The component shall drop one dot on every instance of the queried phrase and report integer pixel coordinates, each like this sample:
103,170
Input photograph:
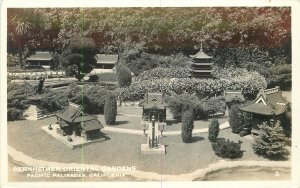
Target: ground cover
122,149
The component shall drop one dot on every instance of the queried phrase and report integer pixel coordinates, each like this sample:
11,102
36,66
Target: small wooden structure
40,59
105,63
74,121
268,105
233,97
154,105
201,66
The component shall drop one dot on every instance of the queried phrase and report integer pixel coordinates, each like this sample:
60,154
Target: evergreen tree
110,109
271,141
235,120
124,76
213,131
187,126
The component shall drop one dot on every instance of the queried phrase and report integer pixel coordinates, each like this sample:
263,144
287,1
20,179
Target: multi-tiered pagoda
201,66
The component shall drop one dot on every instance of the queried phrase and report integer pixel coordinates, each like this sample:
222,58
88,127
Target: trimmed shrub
213,130
14,114
227,149
187,126
124,76
235,120
110,109
271,142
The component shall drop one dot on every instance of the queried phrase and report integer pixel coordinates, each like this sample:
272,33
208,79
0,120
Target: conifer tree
235,120
213,131
110,109
271,141
187,126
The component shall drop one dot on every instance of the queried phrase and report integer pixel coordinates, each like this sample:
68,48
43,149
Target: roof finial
201,47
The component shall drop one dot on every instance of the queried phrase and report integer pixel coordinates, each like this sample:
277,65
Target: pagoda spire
201,49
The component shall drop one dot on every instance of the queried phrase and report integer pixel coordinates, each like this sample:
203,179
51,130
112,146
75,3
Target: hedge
250,84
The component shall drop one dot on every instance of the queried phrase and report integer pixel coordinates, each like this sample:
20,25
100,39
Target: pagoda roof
198,70
153,101
106,59
91,125
268,102
40,56
233,95
200,55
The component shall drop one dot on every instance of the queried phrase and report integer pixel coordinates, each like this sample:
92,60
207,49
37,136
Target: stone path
140,132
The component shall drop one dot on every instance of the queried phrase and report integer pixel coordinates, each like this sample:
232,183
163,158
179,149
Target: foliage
235,119
110,109
79,57
247,124
107,77
158,73
92,99
140,62
227,149
124,76
213,130
16,99
211,106
281,76
271,141
249,82
187,126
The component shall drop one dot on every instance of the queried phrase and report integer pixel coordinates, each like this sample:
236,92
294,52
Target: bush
235,120
14,114
16,99
178,104
187,126
107,77
271,142
249,83
213,130
161,72
110,109
124,76
227,149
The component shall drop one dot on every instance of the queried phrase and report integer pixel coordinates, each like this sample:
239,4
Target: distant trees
110,109
124,76
271,141
187,126
79,58
235,119
213,130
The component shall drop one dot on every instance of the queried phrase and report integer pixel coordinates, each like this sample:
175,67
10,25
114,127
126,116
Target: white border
156,3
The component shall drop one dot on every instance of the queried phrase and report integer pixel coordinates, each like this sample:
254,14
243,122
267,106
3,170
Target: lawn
122,149
129,117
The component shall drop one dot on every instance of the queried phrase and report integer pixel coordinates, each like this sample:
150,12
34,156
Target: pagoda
201,67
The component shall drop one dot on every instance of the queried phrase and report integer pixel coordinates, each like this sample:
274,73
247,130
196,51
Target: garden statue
50,127
40,85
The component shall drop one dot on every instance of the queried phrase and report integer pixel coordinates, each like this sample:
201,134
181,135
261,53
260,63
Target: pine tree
110,109
187,126
271,141
235,120
213,131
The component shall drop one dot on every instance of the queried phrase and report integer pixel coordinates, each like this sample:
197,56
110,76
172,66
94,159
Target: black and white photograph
149,94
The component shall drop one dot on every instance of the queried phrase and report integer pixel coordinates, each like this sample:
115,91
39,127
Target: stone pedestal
35,113
160,150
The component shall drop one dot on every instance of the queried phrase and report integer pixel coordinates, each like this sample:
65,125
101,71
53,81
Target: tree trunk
20,58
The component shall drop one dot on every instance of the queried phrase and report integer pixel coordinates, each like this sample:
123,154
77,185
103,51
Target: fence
34,75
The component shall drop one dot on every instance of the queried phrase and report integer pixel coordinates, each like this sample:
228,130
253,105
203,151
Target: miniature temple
268,105
233,97
105,63
74,121
40,59
201,66
154,117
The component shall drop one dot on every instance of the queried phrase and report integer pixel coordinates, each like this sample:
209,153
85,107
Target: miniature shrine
154,117
233,97
74,121
269,105
40,59
201,66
